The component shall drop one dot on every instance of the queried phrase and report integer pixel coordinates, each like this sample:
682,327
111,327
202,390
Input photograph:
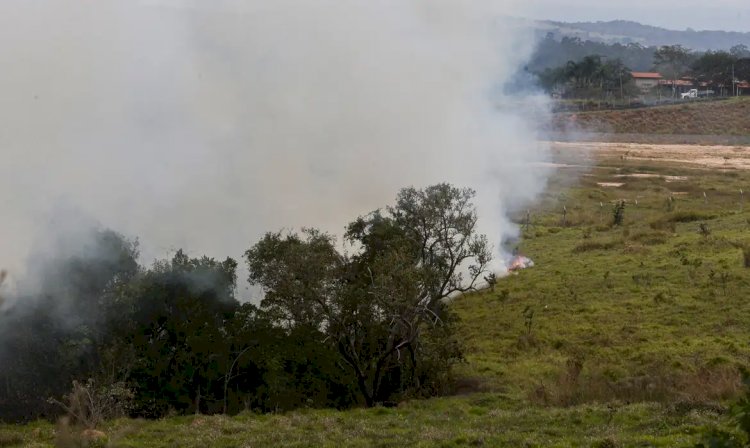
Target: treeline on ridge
576,69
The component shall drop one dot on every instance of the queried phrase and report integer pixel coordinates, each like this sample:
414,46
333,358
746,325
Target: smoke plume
202,124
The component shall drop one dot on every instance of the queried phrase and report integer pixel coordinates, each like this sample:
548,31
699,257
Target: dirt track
726,157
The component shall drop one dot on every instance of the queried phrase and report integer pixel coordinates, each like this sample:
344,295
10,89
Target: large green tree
721,69
715,68
589,77
672,61
173,340
381,307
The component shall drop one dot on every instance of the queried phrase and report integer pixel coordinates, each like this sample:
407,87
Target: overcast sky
728,15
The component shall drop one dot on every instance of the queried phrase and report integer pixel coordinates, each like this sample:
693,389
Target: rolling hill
625,32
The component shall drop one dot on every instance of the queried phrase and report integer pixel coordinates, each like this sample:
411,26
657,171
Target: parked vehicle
692,93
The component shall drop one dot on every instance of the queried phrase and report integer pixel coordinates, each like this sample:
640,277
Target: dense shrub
689,216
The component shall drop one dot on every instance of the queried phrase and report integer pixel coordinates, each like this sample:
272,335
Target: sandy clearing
709,156
654,176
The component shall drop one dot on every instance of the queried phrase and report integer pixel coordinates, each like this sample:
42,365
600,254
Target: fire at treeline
335,328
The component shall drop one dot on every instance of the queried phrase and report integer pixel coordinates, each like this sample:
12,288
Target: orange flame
520,262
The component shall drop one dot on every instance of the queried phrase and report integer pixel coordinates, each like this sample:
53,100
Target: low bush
668,222
88,405
618,213
689,216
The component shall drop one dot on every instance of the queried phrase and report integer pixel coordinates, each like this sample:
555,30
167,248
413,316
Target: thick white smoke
204,124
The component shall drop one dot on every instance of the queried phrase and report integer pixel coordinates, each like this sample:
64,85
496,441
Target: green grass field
475,420
637,335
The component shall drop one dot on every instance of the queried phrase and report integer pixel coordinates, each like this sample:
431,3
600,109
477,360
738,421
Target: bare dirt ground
709,156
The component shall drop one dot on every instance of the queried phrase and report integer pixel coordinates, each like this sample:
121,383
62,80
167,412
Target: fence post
742,199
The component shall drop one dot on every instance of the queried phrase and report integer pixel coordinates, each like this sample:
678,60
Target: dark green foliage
593,70
551,53
588,77
672,61
333,330
689,216
528,319
160,332
491,280
669,221
718,69
175,337
62,333
381,308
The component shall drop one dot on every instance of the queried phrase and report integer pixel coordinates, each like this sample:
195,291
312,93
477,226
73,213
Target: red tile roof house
646,81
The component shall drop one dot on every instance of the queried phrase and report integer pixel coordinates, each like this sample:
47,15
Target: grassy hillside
727,118
637,334
650,310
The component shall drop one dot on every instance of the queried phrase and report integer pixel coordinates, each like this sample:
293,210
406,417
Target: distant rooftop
647,75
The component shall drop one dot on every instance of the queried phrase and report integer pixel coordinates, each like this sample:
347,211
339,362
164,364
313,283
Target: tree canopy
337,328
378,305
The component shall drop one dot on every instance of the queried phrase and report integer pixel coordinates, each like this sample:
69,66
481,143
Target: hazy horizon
721,15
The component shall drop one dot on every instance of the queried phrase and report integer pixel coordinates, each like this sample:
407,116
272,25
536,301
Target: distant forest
572,68
552,53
